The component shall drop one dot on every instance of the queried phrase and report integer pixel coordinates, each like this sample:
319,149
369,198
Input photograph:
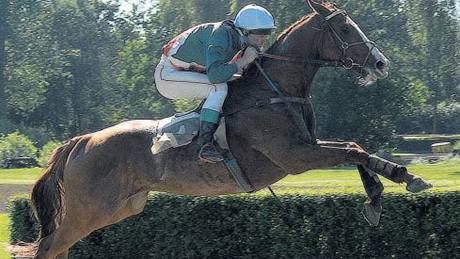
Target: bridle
342,45
348,62
344,61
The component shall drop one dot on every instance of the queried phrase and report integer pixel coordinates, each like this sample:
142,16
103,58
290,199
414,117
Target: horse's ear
318,8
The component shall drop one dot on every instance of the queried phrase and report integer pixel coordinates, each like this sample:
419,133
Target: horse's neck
293,77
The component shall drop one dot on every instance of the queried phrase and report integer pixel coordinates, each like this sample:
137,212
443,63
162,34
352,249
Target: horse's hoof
372,214
418,185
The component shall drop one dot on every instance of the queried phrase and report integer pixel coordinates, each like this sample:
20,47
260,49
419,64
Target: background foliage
69,67
46,152
16,145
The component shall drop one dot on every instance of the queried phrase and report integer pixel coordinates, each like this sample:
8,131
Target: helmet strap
244,43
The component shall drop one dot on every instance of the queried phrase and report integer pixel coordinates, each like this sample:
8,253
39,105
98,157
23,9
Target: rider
198,62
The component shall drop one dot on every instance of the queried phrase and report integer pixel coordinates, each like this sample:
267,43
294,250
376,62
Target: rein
345,62
323,63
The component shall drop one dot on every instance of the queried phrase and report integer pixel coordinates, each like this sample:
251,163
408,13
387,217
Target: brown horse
101,178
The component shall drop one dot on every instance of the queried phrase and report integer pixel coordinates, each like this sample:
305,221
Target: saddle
180,130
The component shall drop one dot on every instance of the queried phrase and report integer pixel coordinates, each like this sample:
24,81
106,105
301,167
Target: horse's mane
251,72
292,26
304,19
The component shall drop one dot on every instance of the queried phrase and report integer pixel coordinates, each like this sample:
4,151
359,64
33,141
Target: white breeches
176,84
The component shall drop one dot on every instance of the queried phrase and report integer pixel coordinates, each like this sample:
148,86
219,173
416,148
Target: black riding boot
208,152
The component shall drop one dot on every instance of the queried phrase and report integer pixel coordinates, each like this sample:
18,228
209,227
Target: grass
444,176
402,154
4,236
20,176
433,137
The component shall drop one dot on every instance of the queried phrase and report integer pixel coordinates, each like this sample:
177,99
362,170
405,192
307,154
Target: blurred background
70,67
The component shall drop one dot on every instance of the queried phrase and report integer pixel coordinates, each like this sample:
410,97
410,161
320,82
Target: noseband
342,45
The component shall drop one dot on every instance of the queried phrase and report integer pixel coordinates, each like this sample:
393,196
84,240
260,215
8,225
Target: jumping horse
101,178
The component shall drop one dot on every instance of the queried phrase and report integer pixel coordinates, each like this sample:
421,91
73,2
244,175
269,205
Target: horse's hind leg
75,226
63,255
131,206
58,242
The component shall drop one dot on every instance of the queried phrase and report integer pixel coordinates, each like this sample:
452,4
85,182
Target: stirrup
209,154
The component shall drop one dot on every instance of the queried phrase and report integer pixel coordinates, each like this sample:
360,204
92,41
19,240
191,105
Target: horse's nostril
380,65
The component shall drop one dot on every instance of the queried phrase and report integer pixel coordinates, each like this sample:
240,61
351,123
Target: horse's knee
358,155
133,205
355,145
44,246
63,255
137,203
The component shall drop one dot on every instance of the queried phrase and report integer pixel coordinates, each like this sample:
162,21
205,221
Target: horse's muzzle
381,68
380,64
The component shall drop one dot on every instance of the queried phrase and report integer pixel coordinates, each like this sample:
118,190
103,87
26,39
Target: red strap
168,46
236,57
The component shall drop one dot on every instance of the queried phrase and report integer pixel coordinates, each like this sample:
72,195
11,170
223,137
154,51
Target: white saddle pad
179,130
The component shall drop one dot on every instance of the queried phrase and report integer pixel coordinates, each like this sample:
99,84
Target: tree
4,30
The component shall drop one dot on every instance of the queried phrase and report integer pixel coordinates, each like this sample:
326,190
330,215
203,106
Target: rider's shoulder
225,27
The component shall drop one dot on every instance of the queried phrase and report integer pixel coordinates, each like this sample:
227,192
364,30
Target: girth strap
297,118
269,101
289,99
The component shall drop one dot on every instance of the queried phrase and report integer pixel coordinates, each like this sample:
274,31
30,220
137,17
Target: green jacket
212,45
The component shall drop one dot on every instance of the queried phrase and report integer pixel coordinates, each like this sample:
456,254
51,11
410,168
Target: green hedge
422,226
24,227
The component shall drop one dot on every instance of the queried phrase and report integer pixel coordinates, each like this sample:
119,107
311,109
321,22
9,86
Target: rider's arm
220,47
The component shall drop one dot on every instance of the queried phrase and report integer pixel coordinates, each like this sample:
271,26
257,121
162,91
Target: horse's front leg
297,158
342,144
387,169
300,158
372,209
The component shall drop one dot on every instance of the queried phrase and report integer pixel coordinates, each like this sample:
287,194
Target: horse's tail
47,194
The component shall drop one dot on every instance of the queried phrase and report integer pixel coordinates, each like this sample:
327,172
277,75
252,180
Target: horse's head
343,40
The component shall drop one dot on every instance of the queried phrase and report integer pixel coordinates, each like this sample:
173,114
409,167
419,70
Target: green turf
444,176
4,236
402,154
432,137
20,176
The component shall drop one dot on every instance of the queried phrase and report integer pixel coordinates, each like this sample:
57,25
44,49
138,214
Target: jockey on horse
198,63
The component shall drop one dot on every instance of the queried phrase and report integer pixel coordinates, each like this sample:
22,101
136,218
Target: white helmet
253,17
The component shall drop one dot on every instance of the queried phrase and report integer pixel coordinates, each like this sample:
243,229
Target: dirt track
8,190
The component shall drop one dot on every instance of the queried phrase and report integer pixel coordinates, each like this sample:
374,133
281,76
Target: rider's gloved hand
250,54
